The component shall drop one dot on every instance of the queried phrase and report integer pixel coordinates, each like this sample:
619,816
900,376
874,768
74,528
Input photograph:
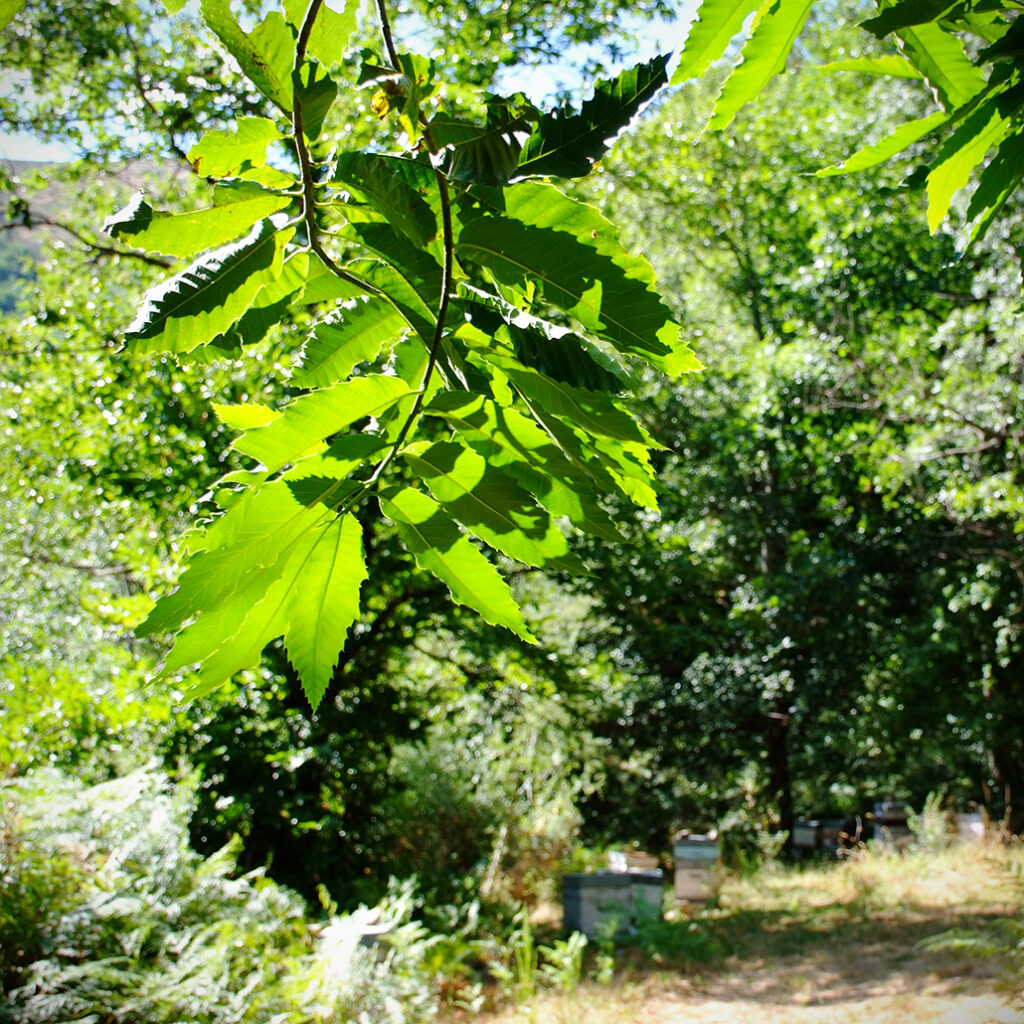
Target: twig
305,163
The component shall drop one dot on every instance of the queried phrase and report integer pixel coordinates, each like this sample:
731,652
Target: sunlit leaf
490,504
904,135
312,418
350,336
204,300
439,547
764,56
322,609
185,234
962,152
715,25
265,55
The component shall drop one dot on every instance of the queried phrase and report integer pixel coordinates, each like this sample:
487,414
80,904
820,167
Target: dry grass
826,944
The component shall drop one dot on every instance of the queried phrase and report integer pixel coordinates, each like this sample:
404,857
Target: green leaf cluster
968,54
469,332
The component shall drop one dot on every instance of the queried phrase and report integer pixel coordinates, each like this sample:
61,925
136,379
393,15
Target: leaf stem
385,31
447,275
305,163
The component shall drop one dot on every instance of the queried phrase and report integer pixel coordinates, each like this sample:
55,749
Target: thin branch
447,275
385,29
100,249
305,163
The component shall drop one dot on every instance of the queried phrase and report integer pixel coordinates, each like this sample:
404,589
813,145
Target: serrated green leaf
258,530
325,606
204,300
562,356
997,183
961,153
764,56
485,154
583,282
269,308
522,450
232,637
389,193
543,205
891,66
439,547
185,234
323,285
591,411
903,135
905,14
490,504
716,24
349,336
223,153
940,57
308,420
265,55
417,266
8,9
407,300
565,144
1009,44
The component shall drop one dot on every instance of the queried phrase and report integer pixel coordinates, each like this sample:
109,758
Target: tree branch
305,163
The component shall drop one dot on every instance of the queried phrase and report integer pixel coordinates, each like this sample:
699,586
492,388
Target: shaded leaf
389,193
583,282
565,144
521,449
907,13
269,308
491,505
317,93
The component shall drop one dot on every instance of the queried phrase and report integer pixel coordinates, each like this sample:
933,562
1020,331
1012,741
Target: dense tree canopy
391,351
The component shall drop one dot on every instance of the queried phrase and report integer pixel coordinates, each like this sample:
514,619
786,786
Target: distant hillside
50,198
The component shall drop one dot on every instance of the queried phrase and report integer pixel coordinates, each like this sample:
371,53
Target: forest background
824,611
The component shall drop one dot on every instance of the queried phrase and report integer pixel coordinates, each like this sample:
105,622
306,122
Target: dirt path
835,945
884,985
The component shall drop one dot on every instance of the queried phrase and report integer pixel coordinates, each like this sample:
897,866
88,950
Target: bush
107,914
125,922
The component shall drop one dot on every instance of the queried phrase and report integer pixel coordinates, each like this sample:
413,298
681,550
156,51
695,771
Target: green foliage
104,910
966,58
135,925
458,280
